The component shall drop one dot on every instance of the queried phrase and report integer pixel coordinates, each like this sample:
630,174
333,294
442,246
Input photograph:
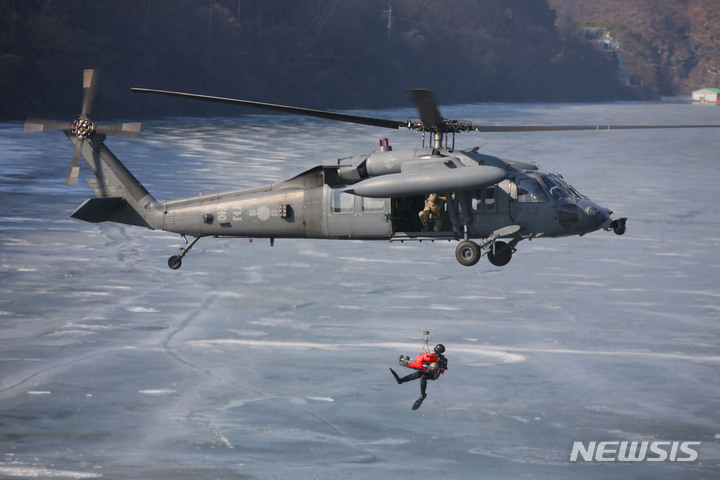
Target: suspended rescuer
427,366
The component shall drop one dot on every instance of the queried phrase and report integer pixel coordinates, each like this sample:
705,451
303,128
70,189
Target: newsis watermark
645,451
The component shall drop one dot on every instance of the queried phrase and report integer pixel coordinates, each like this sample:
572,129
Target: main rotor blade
90,84
342,117
425,102
560,128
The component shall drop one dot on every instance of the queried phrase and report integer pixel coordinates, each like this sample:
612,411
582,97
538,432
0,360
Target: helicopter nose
581,217
597,217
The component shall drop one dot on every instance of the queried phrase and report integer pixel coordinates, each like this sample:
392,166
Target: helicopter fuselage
511,200
316,204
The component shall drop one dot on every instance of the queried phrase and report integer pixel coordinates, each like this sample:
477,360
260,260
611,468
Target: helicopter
491,204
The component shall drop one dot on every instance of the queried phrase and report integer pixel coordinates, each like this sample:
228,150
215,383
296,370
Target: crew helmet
439,348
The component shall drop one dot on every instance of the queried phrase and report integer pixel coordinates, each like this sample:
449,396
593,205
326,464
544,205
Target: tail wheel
501,254
467,253
174,262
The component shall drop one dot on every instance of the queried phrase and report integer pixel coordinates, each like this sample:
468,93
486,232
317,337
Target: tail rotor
83,127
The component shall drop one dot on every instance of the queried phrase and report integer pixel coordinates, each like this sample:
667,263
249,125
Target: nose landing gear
618,226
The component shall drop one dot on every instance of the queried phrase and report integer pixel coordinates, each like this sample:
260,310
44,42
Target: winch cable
450,432
426,348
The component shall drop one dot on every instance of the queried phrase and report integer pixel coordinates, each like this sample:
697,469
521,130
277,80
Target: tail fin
120,197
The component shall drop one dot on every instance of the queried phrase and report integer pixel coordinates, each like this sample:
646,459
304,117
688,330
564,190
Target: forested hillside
673,45
316,53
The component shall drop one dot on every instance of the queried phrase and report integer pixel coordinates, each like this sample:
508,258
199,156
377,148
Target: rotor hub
82,127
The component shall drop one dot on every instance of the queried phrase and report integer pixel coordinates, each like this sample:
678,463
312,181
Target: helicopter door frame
492,211
405,216
404,213
512,199
532,205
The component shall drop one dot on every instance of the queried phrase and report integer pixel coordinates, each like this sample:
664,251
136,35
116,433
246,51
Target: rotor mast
438,140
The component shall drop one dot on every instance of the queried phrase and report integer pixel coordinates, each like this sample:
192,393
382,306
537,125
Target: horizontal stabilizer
115,209
96,210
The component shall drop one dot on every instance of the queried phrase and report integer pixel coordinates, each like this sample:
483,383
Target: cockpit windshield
559,188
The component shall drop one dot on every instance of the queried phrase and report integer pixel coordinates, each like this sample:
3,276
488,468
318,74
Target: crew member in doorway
433,214
428,366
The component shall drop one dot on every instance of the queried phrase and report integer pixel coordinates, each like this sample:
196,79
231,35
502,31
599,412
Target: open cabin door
405,214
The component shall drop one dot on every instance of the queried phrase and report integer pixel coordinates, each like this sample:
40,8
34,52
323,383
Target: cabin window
489,198
484,200
529,190
373,204
342,202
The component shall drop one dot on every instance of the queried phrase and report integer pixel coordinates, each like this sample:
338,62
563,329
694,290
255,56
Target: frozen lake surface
260,362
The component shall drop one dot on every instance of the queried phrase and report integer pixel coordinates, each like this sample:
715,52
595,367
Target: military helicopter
491,203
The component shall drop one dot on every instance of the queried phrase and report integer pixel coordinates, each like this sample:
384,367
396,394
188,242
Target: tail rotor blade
34,126
90,83
74,170
131,128
73,175
42,125
83,128
127,129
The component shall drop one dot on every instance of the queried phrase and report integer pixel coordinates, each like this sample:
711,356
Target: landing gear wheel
467,253
618,226
500,255
174,262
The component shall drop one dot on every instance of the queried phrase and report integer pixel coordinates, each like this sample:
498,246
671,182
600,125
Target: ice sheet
260,362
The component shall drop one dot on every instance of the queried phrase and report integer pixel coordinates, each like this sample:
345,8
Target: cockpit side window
529,190
571,189
559,188
555,187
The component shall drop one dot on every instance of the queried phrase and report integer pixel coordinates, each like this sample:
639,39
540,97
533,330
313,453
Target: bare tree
321,11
